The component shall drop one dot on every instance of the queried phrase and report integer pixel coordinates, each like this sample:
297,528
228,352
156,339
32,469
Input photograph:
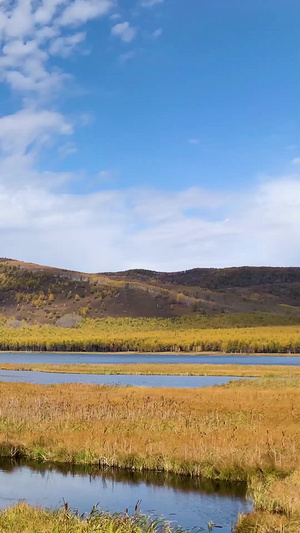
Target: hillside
41,294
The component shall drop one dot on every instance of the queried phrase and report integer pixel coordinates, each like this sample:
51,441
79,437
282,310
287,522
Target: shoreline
200,433
219,354
157,369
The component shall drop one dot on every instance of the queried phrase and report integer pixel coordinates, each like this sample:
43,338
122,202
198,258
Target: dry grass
221,432
157,369
245,430
277,505
266,522
23,518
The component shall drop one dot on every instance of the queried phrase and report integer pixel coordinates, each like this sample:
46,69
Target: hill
41,294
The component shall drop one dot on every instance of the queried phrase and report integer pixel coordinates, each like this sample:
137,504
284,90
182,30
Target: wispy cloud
194,141
150,3
67,149
123,30
20,131
115,16
127,56
106,176
64,46
157,33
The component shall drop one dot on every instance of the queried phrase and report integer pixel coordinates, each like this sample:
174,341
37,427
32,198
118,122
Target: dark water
104,358
184,501
48,378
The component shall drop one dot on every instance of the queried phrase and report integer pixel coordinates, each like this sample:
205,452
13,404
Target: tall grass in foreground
23,518
277,505
220,433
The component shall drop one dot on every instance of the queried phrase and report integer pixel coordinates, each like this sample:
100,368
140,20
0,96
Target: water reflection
186,501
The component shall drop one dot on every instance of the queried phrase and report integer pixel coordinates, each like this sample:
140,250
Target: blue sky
160,134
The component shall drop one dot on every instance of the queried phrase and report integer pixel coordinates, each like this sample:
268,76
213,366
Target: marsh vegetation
141,335
245,431
158,369
23,518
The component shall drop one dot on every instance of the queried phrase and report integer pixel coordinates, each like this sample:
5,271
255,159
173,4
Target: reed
277,505
23,518
227,432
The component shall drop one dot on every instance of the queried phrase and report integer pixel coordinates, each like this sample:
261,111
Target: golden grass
277,505
266,522
242,431
23,518
114,336
158,369
223,432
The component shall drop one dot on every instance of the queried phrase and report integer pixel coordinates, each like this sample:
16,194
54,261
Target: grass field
153,335
25,519
223,432
248,430
158,369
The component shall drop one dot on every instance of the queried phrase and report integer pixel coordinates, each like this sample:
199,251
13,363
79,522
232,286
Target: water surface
48,378
118,358
185,501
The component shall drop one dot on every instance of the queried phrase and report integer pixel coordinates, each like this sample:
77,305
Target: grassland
243,431
153,335
221,432
158,369
277,505
25,519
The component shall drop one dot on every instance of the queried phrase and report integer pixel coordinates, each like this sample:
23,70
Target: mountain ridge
43,294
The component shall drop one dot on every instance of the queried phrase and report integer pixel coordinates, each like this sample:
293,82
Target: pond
184,501
118,358
48,378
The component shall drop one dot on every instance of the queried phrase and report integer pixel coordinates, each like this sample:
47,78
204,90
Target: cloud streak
150,3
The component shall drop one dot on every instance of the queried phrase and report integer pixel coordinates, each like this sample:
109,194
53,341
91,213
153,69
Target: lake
48,378
184,501
118,358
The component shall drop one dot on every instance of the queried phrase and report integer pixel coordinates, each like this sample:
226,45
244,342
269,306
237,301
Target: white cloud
150,3
20,130
47,9
64,46
296,161
123,30
114,229
31,31
80,11
121,229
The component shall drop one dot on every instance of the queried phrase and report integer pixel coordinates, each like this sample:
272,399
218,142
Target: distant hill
42,294
216,278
